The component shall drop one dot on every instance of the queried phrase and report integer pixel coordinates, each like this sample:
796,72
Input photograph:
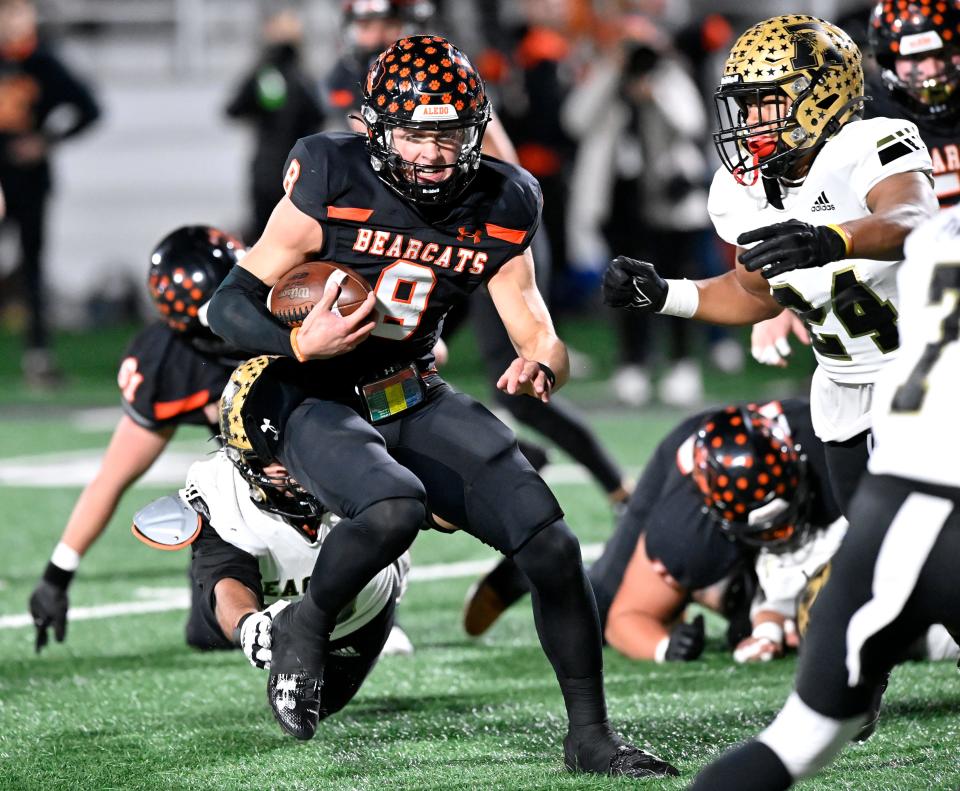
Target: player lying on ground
397,206
255,535
727,500
895,572
823,200
172,373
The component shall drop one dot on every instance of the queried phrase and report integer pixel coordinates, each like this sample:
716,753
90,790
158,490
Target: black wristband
834,243
548,372
56,576
239,626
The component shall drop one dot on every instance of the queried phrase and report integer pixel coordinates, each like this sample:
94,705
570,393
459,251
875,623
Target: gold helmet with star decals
233,432
254,407
811,590
789,84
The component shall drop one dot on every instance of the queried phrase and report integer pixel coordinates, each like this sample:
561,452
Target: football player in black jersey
172,373
559,421
707,502
917,47
414,209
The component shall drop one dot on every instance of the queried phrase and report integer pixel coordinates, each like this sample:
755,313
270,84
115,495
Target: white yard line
78,467
167,599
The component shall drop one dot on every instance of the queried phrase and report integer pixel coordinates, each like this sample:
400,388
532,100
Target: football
295,294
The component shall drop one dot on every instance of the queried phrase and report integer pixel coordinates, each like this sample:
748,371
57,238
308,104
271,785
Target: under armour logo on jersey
463,233
267,426
822,203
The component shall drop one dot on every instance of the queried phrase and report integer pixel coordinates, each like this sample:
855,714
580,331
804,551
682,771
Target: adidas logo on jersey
822,203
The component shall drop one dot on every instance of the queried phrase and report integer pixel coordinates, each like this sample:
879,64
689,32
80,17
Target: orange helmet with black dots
186,267
424,83
912,32
752,477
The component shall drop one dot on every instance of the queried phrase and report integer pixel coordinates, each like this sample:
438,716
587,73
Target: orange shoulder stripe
506,234
345,213
163,410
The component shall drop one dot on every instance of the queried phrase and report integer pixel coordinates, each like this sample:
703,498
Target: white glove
764,644
255,634
768,339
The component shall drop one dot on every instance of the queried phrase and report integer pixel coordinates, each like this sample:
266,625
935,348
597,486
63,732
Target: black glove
791,245
686,641
633,284
48,606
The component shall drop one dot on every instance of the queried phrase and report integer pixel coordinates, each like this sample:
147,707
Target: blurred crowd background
182,112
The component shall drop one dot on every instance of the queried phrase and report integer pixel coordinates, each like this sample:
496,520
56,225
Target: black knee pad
394,522
396,513
552,556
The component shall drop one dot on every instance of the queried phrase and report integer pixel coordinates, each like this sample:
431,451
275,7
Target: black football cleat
296,676
873,714
605,753
295,702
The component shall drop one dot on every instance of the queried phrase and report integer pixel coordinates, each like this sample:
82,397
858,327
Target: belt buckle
392,392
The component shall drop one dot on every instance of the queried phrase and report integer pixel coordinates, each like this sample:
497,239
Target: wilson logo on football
295,292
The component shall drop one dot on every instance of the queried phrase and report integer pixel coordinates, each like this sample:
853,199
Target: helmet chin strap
774,192
760,149
740,173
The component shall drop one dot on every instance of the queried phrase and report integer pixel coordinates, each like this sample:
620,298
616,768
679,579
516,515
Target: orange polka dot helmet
752,477
427,87
186,267
915,31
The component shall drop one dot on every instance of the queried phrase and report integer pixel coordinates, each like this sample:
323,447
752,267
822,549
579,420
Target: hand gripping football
295,294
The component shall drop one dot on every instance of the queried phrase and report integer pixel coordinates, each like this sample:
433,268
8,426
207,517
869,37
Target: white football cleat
398,644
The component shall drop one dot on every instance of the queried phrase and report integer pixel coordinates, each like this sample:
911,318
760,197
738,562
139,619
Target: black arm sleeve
213,559
238,314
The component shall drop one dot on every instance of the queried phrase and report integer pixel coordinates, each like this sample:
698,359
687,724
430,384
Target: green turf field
124,704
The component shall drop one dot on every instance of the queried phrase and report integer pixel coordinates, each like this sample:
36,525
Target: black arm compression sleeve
238,313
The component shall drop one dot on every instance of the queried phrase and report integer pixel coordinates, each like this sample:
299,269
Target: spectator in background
279,101
533,94
640,177
41,104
